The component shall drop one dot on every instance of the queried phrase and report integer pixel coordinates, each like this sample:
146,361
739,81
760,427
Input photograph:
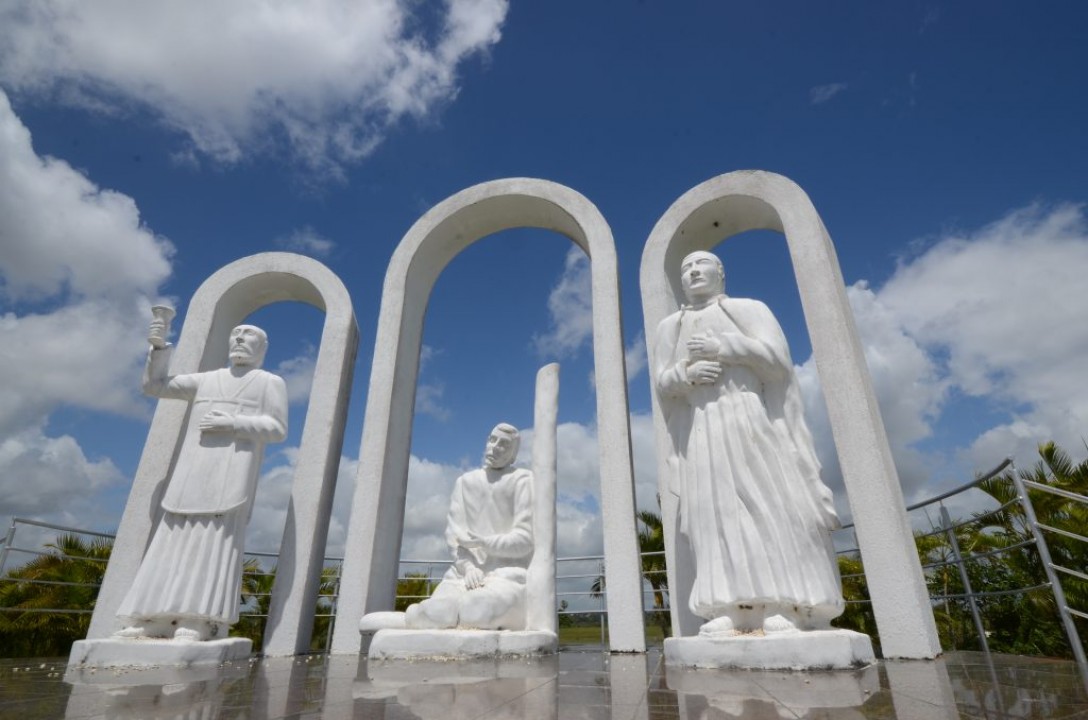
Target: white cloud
298,374
1002,304
429,394
78,273
634,356
307,241
908,388
85,272
329,76
822,93
42,475
273,497
62,235
992,315
570,307
429,401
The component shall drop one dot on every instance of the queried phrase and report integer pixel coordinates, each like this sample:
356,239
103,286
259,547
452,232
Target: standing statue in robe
188,584
752,505
490,533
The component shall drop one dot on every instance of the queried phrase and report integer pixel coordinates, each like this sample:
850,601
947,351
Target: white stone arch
219,304
745,200
368,582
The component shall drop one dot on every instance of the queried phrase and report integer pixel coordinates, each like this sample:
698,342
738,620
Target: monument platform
460,644
810,650
153,652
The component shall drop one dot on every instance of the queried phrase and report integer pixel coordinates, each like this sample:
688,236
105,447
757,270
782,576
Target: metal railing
580,580
1028,535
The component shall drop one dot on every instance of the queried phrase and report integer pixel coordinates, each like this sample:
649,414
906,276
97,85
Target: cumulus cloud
570,310
61,235
429,401
38,475
985,314
273,497
329,77
78,273
634,356
908,387
307,241
298,374
820,94
1000,304
429,393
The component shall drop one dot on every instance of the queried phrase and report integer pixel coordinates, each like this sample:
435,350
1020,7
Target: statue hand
156,333
705,347
474,577
704,372
471,540
216,421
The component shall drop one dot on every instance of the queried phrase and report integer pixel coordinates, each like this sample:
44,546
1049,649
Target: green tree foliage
1019,614
858,614
65,578
1030,624
413,588
257,599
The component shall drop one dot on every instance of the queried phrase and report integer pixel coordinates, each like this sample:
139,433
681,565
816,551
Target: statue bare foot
145,629
778,624
187,635
718,627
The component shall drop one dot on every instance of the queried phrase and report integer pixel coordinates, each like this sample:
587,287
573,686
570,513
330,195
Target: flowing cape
782,400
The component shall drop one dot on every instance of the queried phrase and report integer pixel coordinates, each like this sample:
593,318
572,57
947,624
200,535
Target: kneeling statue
490,533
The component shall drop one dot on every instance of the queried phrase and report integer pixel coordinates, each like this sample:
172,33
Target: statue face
701,276
247,345
501,449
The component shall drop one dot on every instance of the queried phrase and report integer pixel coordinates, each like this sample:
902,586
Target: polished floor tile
576,684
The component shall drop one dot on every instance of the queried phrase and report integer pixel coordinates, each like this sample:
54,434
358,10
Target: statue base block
459,644
140,652
810,650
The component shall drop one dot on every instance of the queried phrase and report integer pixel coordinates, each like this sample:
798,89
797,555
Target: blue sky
145,145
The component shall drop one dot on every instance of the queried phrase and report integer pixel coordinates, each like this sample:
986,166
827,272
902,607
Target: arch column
756,200
219,304
377,515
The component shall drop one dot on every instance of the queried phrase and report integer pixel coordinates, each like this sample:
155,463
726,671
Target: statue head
248,344
702,276
502,446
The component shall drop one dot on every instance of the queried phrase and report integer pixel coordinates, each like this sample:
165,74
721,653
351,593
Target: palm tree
1031,623
858,615
257,600
65,578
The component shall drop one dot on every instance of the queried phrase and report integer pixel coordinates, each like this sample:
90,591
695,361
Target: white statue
752,504
188,585
490,533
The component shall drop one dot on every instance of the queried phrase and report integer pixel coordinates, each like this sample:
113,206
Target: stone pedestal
118,653
811,650
459,644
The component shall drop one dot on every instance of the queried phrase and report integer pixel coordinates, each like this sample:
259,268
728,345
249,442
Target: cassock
752,504
193,566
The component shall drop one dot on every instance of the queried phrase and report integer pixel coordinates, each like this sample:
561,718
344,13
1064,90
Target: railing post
7,546
1052,577
946,521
